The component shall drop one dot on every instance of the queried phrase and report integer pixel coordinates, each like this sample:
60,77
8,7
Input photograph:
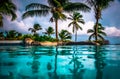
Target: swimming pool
60,62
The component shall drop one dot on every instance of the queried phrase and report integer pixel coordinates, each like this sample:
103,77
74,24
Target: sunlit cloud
112,31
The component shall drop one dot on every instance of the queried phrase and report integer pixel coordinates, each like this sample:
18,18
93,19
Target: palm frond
37,6
91,2
70,7
32,13
105,3
101,37
102,33
78,26
70,18
30,29
90,37
14,16
1,20
90,31
70,24
61,16
81,21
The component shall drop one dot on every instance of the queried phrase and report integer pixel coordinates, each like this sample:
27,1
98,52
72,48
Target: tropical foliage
98,6
64,35
35,28
49,31
76,18
7,7
56,8
1,35
100,33
11,35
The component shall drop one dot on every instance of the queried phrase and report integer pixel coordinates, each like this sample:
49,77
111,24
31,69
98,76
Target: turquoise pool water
61,62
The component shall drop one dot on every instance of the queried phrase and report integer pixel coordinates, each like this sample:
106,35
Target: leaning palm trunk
56,29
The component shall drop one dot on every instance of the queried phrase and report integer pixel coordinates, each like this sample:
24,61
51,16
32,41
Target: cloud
85,27
112,31
17,24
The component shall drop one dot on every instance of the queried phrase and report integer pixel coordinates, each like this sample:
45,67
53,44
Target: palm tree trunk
76,36
96,30
55,70
97,16
56,29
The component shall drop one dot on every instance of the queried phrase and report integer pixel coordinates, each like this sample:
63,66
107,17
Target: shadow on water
99,61
78,68
35,64
53,75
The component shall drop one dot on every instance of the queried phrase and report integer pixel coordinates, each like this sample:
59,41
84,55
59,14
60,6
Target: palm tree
64,34
98,6
100,33
1,35
35,28
11,34
76,19
7,7
19,35
56,8
49,31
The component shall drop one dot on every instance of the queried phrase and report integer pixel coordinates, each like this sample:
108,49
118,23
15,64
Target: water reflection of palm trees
78,68
100,61
54,74
35,64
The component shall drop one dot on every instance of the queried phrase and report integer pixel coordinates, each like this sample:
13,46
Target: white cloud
112,31
85,27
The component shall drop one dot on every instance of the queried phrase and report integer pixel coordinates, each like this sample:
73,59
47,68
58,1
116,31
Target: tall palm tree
56,8
7,7
49,31
76,19
100,33
35,28
98,7
64,34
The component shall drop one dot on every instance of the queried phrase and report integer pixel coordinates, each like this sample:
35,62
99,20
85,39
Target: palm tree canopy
37,27
99,5
76,18
102,4
56,7
7,7
1,34
49,31
11,34
64,34
100,34
32,30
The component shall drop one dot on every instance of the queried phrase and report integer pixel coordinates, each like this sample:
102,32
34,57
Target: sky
110,19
